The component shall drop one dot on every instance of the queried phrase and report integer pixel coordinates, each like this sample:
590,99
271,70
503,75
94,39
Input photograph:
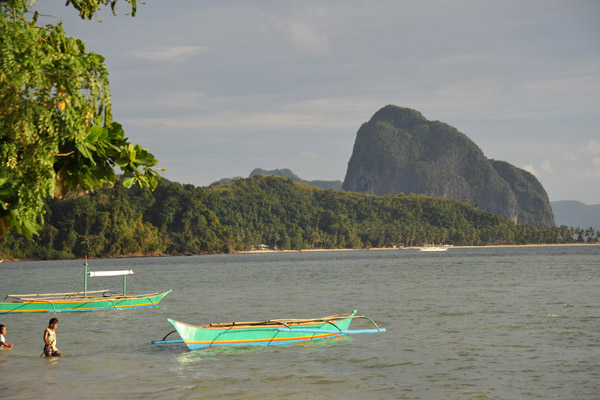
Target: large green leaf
56,125
128,181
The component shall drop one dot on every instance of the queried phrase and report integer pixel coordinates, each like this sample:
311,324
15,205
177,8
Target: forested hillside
283,214
287,173
263,210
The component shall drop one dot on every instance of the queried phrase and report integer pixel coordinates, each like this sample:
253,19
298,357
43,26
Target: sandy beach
267,251
271,251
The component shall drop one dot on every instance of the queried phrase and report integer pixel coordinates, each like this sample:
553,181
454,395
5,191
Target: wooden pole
85,272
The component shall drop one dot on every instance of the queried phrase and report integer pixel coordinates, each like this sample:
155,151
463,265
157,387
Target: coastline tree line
260,211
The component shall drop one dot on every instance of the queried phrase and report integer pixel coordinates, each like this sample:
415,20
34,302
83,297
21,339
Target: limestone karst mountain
400,151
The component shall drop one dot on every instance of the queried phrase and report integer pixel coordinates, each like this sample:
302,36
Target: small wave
454,314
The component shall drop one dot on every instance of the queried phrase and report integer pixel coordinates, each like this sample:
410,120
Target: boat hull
197,338
83,305
433,248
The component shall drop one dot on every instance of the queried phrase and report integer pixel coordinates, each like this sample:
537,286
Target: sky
215,89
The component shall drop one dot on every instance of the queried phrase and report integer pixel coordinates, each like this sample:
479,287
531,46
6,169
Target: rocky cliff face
399,151
534,205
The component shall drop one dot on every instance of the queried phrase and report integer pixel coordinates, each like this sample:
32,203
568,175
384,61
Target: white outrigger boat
94,300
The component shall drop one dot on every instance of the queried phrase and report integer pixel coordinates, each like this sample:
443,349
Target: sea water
483,323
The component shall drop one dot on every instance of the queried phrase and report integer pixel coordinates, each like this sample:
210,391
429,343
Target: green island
263,212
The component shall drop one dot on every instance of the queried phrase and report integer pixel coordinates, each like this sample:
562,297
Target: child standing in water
3,344
50,349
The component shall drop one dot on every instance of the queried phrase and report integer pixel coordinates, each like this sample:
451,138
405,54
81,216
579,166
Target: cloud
529,168
185,99
307,30
570,157
170,53
339,114
242,121
593,146
307,156
475,96
546,166
596,164
307,38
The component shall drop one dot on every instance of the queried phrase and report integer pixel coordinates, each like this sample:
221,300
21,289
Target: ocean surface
483,323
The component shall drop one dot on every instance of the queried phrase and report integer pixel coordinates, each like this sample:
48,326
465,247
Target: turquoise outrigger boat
95,300
265,333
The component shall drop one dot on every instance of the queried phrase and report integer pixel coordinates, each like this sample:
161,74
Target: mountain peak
400,151
287,173
399,116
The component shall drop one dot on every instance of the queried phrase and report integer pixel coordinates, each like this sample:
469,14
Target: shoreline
270,251
490,246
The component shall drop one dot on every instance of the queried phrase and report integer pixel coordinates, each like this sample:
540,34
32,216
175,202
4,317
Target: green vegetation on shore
262,210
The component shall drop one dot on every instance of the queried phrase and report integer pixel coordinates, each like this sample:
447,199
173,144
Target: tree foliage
263,210
100,223
56,129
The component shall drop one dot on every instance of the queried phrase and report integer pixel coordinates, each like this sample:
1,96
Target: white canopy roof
110,273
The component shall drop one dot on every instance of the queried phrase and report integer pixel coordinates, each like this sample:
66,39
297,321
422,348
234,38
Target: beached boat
265,333
95,300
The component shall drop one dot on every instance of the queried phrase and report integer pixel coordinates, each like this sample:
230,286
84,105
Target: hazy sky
216,89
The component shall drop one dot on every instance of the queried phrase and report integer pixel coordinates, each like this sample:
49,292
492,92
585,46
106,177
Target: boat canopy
92,274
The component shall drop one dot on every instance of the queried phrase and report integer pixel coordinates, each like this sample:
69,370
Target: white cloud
596,164
570,157
186,99
307,156
593,146
307,30
307,38
243,121
170,53
529,168
546,166
476,96
342,114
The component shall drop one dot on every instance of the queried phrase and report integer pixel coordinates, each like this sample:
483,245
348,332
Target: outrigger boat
265,333
94,300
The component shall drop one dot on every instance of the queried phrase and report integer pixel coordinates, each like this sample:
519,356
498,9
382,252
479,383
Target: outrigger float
94,300
265,333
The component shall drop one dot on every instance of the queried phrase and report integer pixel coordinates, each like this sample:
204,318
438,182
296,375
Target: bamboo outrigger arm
52,296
